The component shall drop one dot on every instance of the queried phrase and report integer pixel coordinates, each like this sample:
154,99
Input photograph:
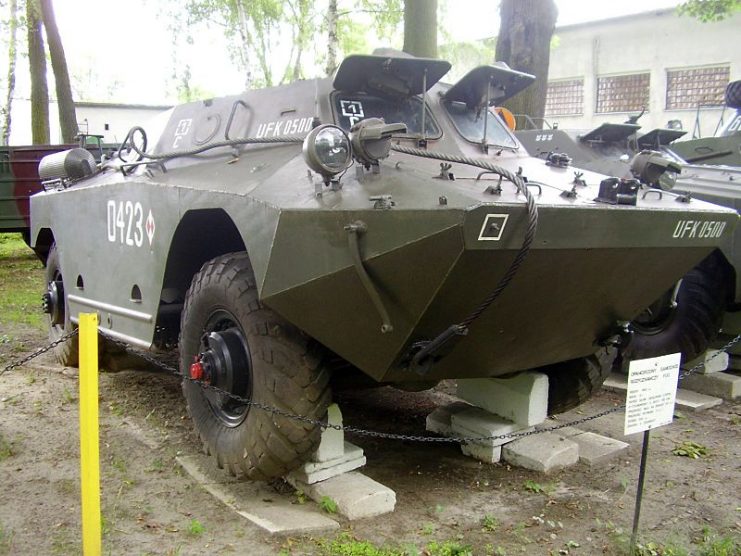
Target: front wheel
55,305
685,320
231,341
572,382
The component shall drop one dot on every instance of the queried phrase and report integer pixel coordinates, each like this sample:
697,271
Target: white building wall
651,42
112,121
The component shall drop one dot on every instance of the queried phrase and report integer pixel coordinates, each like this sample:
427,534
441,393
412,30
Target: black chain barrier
355,430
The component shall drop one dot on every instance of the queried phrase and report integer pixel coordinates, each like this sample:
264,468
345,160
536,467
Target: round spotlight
327,150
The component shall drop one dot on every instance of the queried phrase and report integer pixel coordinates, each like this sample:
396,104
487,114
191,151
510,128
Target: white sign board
652,389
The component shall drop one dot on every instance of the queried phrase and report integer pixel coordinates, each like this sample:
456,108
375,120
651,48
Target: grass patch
345,544
6,448
196,528
21,284
690,449
6,540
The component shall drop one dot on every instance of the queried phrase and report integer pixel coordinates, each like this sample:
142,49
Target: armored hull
223,240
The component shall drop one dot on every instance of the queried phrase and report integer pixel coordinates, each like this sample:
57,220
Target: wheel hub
52,302
225,364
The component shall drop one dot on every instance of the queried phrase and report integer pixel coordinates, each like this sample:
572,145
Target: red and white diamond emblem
149,225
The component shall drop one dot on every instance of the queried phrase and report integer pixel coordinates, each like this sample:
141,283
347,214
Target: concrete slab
255,501
616,382
332,443
486,454
723,385
544,452
522,399
696,401
439,420
713,360
314,471
690,395
356,495
595,449
479,422
565,432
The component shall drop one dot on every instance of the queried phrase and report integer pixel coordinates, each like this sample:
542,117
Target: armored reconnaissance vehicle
378,222
688,316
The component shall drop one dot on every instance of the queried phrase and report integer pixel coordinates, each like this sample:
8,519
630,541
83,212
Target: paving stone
356,495
522,399
315,471
248,499
722,385
479,422
565,432
715,361
439,420
595,449
544,452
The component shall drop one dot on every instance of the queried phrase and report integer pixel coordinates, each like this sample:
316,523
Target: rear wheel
686,322
230,340
571,383
55,305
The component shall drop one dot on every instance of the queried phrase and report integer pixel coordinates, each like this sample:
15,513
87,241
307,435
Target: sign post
89,449
652,391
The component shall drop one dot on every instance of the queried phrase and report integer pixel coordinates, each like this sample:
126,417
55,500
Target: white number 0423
125,222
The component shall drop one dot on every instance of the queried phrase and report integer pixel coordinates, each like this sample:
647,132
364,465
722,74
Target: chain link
40,351
343,428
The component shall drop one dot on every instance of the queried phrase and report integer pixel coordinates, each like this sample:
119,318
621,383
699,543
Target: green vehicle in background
19,178
379,224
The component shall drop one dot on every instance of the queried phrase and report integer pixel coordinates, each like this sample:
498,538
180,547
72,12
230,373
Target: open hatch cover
388,75
609,133
659,136
504,83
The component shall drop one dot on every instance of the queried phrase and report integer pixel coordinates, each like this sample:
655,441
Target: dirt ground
446,503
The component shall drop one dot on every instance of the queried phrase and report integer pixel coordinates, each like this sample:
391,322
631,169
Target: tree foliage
709,10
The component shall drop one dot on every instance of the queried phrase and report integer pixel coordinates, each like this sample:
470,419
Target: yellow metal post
89,448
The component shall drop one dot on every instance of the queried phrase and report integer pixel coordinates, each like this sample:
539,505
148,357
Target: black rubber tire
733,94
66,353
692,325
287,373
571,383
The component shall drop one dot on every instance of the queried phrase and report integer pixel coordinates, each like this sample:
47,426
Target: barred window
686,88
623,93
565,97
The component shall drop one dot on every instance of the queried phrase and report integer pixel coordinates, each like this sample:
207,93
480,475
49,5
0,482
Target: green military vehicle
689,315
378,223
725,147
19,179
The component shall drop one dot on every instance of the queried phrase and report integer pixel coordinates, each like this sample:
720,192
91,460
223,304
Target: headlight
327,150
655,170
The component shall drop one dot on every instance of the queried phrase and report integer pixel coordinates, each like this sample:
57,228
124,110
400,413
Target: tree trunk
332,38
524,43
65,103
12,48
37,65
420,28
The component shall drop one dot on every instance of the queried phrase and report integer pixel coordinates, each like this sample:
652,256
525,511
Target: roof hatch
394,75
502,81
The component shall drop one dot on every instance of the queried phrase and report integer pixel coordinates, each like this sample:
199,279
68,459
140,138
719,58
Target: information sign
652,390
